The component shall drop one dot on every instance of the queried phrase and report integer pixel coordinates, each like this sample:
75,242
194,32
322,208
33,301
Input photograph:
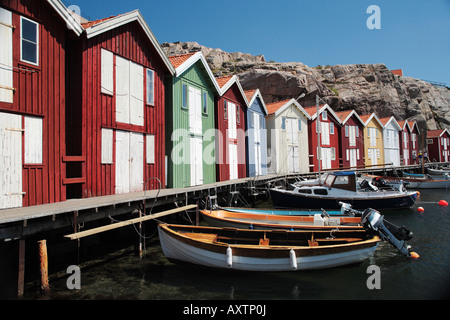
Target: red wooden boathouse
33,36
329,138
351,148
231,108
414,141
115,123
438,144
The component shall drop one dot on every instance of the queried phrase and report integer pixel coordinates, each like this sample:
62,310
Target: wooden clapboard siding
40,91
177,120
351,119
232,95
334,138
98,110
256,106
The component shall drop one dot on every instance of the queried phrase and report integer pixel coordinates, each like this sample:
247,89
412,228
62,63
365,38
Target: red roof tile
93,23
274,106
178,60
365,117
435,133
385,120
343,114
223,80
313,110
249,94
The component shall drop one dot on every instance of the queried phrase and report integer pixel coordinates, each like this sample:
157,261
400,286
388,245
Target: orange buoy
443,203
414,255
420,209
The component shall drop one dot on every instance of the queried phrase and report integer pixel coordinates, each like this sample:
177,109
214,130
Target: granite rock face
365,88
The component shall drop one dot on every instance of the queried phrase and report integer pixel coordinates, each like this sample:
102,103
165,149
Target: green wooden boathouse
190,133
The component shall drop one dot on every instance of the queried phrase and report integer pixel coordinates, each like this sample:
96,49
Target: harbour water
123,275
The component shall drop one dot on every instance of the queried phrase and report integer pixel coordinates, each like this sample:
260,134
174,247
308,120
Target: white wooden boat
258,250
418,181
438,172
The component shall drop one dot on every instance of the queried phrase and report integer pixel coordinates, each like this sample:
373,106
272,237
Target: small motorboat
343,186
280,250
438,172
265,221
421,181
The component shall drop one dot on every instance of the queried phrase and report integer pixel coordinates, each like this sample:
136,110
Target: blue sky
414,34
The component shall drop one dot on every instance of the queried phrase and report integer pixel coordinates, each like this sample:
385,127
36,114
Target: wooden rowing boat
265,250
245,220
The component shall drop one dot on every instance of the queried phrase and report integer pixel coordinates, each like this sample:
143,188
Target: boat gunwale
267,251
353,223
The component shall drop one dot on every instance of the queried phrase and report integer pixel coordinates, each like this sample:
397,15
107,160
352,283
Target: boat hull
288,199
285,212
428,184
178,248
225,218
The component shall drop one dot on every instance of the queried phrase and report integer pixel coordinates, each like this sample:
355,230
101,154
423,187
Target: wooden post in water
43,265
21,276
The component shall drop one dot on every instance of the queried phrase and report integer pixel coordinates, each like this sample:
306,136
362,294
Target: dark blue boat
344,187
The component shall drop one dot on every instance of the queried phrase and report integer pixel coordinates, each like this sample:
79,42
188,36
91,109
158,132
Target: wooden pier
18,224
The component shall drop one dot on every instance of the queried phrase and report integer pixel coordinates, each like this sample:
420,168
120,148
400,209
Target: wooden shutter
10,161
122,90
107,72
150,149
136,161
107,146
6,57
136,94
33,140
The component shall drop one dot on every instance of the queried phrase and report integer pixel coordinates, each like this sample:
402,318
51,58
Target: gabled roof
366,118
225,84
411,125
436,133
68,16
182,62
312,111
252,95
344,116
95,28
178,60
403,124
387,120
277,107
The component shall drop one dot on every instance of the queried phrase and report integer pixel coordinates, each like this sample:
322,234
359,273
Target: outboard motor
366,185
380,183
374,223
347,210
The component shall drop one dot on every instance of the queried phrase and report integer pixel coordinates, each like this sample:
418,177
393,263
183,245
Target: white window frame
37,41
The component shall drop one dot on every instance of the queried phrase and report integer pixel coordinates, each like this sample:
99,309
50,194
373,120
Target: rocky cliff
365,88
